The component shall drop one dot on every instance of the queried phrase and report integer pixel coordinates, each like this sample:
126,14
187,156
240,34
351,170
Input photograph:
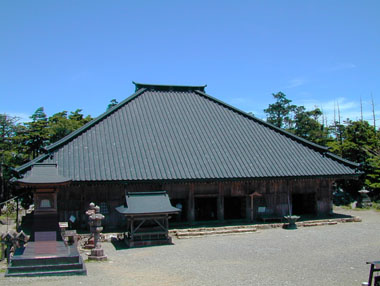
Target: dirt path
322,255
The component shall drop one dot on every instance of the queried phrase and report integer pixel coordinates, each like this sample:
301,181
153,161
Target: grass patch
2,270
375,206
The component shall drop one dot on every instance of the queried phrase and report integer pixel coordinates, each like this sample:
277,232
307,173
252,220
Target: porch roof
43,174
147,203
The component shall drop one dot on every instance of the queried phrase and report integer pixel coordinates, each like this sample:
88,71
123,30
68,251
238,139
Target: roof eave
343,161
211,180
150,214
44,185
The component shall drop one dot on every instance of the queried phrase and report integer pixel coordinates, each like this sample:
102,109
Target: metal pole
7,210
289,209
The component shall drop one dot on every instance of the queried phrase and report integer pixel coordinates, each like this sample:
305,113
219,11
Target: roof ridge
162,87
280,130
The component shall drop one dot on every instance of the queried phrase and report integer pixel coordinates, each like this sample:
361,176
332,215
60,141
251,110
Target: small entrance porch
147,216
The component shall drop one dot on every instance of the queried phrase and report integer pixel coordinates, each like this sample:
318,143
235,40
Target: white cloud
295,82
341,66
22,117
348,109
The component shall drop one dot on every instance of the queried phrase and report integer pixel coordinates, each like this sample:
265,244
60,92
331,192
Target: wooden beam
139,225
160,224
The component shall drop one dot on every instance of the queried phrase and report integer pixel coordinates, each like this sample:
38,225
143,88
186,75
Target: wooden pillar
132,229
331,190
56,199
220,204
190,204
249,208
166,223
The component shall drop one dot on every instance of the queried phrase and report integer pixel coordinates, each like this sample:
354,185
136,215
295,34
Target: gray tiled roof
181,133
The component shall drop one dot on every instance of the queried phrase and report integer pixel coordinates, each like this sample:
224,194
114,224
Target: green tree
307,125
37,133
12,150
297,120
281,112
360,143
21,142
372,180
358,137
7,125
61,124
112,103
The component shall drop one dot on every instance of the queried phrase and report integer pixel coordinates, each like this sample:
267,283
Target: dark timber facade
208,156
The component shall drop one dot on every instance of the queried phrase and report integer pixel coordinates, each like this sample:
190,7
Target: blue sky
65,55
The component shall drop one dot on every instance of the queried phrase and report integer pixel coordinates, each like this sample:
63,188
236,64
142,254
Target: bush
341,198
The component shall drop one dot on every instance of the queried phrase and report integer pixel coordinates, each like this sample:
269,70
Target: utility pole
335,127
373,113
340,131
361,109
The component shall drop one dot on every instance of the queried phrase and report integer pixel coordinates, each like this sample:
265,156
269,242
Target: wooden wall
74,199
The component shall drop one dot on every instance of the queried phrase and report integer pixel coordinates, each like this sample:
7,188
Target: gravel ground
322,255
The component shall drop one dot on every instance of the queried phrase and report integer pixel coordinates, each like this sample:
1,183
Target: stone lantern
95,222
364,200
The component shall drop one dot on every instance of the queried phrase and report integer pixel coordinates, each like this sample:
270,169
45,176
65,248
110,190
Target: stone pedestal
291,221
97,254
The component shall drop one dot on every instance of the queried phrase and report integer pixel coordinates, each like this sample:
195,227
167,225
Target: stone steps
203,231
224,230
63,260
48,273
44,261
42,270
